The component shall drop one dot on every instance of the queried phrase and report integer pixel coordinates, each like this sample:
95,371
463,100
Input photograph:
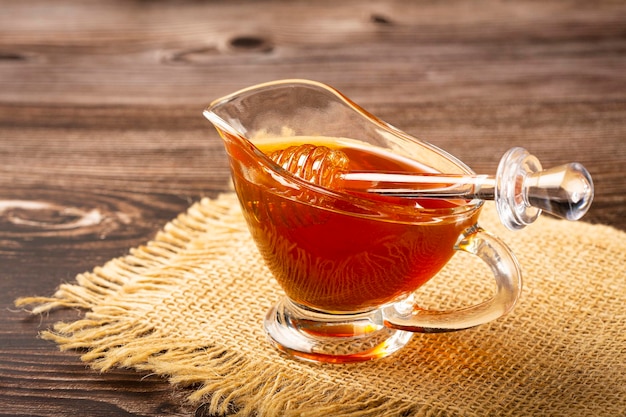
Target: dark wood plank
102,139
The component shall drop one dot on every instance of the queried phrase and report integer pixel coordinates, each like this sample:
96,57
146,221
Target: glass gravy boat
349,262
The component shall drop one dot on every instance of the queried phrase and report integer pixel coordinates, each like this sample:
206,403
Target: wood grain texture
102,139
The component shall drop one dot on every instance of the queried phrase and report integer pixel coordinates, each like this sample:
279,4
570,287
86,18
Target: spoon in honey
520,188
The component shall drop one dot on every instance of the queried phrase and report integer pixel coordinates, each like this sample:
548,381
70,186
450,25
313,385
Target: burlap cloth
189,306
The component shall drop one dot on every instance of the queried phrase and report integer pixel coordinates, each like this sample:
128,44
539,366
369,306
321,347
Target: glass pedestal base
311,335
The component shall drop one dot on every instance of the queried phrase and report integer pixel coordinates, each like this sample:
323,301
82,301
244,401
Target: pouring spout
232,127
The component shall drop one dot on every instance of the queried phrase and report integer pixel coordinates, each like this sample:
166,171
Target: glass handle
523,190
410,317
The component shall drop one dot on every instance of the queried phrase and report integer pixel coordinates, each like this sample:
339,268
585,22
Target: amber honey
336,251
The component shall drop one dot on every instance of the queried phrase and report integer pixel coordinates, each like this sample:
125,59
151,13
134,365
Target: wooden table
102,140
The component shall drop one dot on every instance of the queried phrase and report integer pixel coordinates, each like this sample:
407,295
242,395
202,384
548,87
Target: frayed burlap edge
113,334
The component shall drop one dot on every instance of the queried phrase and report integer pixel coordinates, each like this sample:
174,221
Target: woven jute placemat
189,306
